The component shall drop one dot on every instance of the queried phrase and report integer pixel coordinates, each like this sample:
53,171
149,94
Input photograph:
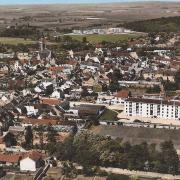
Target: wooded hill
169,24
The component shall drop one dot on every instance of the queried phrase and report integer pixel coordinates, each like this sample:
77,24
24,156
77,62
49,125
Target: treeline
21,31
169,24
173,86
93,150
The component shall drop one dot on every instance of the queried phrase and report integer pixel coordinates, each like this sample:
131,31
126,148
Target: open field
109,114
15,41
96,38
85,15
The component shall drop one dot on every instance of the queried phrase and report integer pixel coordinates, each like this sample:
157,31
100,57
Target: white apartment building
156,108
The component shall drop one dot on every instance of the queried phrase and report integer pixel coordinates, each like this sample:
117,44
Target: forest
88,150
168,24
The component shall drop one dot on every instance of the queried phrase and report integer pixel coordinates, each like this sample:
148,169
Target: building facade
154,108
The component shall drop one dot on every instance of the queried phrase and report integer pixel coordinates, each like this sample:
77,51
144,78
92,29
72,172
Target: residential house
31,162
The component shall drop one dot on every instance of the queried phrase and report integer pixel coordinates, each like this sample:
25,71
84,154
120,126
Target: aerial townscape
90,92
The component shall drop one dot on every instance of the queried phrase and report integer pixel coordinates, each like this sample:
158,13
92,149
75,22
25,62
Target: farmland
96,38
15,41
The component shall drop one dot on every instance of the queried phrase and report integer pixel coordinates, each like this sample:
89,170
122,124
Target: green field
15,41
109,115
96,38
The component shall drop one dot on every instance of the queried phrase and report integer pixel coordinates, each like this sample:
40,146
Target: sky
8,2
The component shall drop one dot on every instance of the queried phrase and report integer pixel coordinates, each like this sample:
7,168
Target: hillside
139,135
169,24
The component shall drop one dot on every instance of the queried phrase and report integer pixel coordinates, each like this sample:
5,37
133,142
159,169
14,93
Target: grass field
109,115
96,38
15,41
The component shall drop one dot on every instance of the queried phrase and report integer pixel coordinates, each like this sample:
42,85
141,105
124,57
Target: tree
10,140
69,170
138,155
116,76
91,150
114,86
169,86
88,170
65,150
51,136
41,136
170,160
155,89
84,39
177,79
29,138
84,92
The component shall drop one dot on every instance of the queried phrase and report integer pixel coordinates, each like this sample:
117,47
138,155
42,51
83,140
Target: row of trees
89,149
23,31
11,140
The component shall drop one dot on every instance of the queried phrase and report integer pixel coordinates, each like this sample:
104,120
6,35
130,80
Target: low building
104,99
31,162
9,159
117,98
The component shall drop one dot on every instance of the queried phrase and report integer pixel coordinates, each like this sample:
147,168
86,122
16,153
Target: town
60,96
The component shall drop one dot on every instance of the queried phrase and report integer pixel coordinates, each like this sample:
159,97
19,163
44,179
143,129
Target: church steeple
42,43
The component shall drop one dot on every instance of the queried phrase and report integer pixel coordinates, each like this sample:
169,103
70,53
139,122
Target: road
141,173
137,173
40,174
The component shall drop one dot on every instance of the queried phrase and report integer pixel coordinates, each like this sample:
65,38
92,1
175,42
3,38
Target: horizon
41,2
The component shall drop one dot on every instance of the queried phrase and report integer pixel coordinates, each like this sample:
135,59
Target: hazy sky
67,1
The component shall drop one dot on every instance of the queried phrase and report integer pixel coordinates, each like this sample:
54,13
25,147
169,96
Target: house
90,110
39,122
29,110
45,88
9,159
16,130
121,96
89,83
50,101
7,55
104,99
93,67
31,162
2,143
157,75
117,98
23,56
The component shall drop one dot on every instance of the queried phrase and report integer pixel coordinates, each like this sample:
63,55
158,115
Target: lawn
96,38
109,115
15,41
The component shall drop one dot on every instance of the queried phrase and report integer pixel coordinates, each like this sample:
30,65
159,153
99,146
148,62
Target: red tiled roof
10,158
122,94
35,155
72,62
50,101
56,68
2,140
40,121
